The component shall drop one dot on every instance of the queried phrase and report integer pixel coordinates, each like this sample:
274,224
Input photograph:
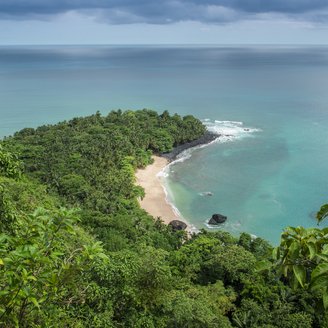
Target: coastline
155,202
207,138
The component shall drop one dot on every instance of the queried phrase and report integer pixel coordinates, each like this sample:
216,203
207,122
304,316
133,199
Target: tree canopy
76,250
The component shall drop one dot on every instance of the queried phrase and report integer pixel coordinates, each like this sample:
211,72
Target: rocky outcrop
178,225
217,219
205,139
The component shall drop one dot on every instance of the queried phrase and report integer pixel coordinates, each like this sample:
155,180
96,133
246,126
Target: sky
163,22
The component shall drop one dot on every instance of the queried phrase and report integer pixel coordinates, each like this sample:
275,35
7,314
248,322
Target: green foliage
199,306
39,269
258,246
110,264
253,315
91,161
7,211
231,264
10,167
323,213
302,258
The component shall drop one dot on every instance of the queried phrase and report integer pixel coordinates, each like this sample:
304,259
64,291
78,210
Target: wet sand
154,201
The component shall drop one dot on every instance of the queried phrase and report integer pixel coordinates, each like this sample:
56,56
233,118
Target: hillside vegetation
76,250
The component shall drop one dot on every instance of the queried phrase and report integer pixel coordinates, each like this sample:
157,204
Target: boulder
178,225
217,219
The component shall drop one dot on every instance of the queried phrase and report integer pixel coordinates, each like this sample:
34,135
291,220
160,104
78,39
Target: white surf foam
164,173
226,131
214,227
229,130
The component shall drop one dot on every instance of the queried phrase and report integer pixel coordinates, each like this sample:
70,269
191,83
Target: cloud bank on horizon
163,22
167,11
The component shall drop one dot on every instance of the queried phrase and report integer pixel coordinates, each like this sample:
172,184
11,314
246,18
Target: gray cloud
164,11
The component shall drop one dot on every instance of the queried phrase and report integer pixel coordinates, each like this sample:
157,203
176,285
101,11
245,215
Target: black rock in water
217,219
178,225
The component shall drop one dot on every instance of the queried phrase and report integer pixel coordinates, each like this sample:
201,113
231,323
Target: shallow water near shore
273,175
263,181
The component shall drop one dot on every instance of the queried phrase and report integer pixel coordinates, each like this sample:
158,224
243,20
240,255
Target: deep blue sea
272,102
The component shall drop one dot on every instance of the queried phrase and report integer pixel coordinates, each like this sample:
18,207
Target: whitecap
228,122
213,226
229,130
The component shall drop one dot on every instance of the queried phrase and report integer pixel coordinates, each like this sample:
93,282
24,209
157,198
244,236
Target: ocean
270,102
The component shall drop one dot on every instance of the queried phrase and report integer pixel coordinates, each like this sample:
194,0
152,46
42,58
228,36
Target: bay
266,177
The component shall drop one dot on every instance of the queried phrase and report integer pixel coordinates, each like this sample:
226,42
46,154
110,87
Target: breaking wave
229,130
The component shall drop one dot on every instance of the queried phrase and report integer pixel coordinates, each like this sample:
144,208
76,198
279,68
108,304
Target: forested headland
76,249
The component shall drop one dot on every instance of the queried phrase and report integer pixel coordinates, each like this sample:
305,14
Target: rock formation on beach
205,139
178,225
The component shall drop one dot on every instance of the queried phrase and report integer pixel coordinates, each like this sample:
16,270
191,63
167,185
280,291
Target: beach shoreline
149,178
155,201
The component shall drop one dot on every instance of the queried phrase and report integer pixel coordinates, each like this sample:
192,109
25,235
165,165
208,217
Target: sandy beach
154,201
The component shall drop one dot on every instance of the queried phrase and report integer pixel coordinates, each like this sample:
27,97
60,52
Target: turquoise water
263,179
